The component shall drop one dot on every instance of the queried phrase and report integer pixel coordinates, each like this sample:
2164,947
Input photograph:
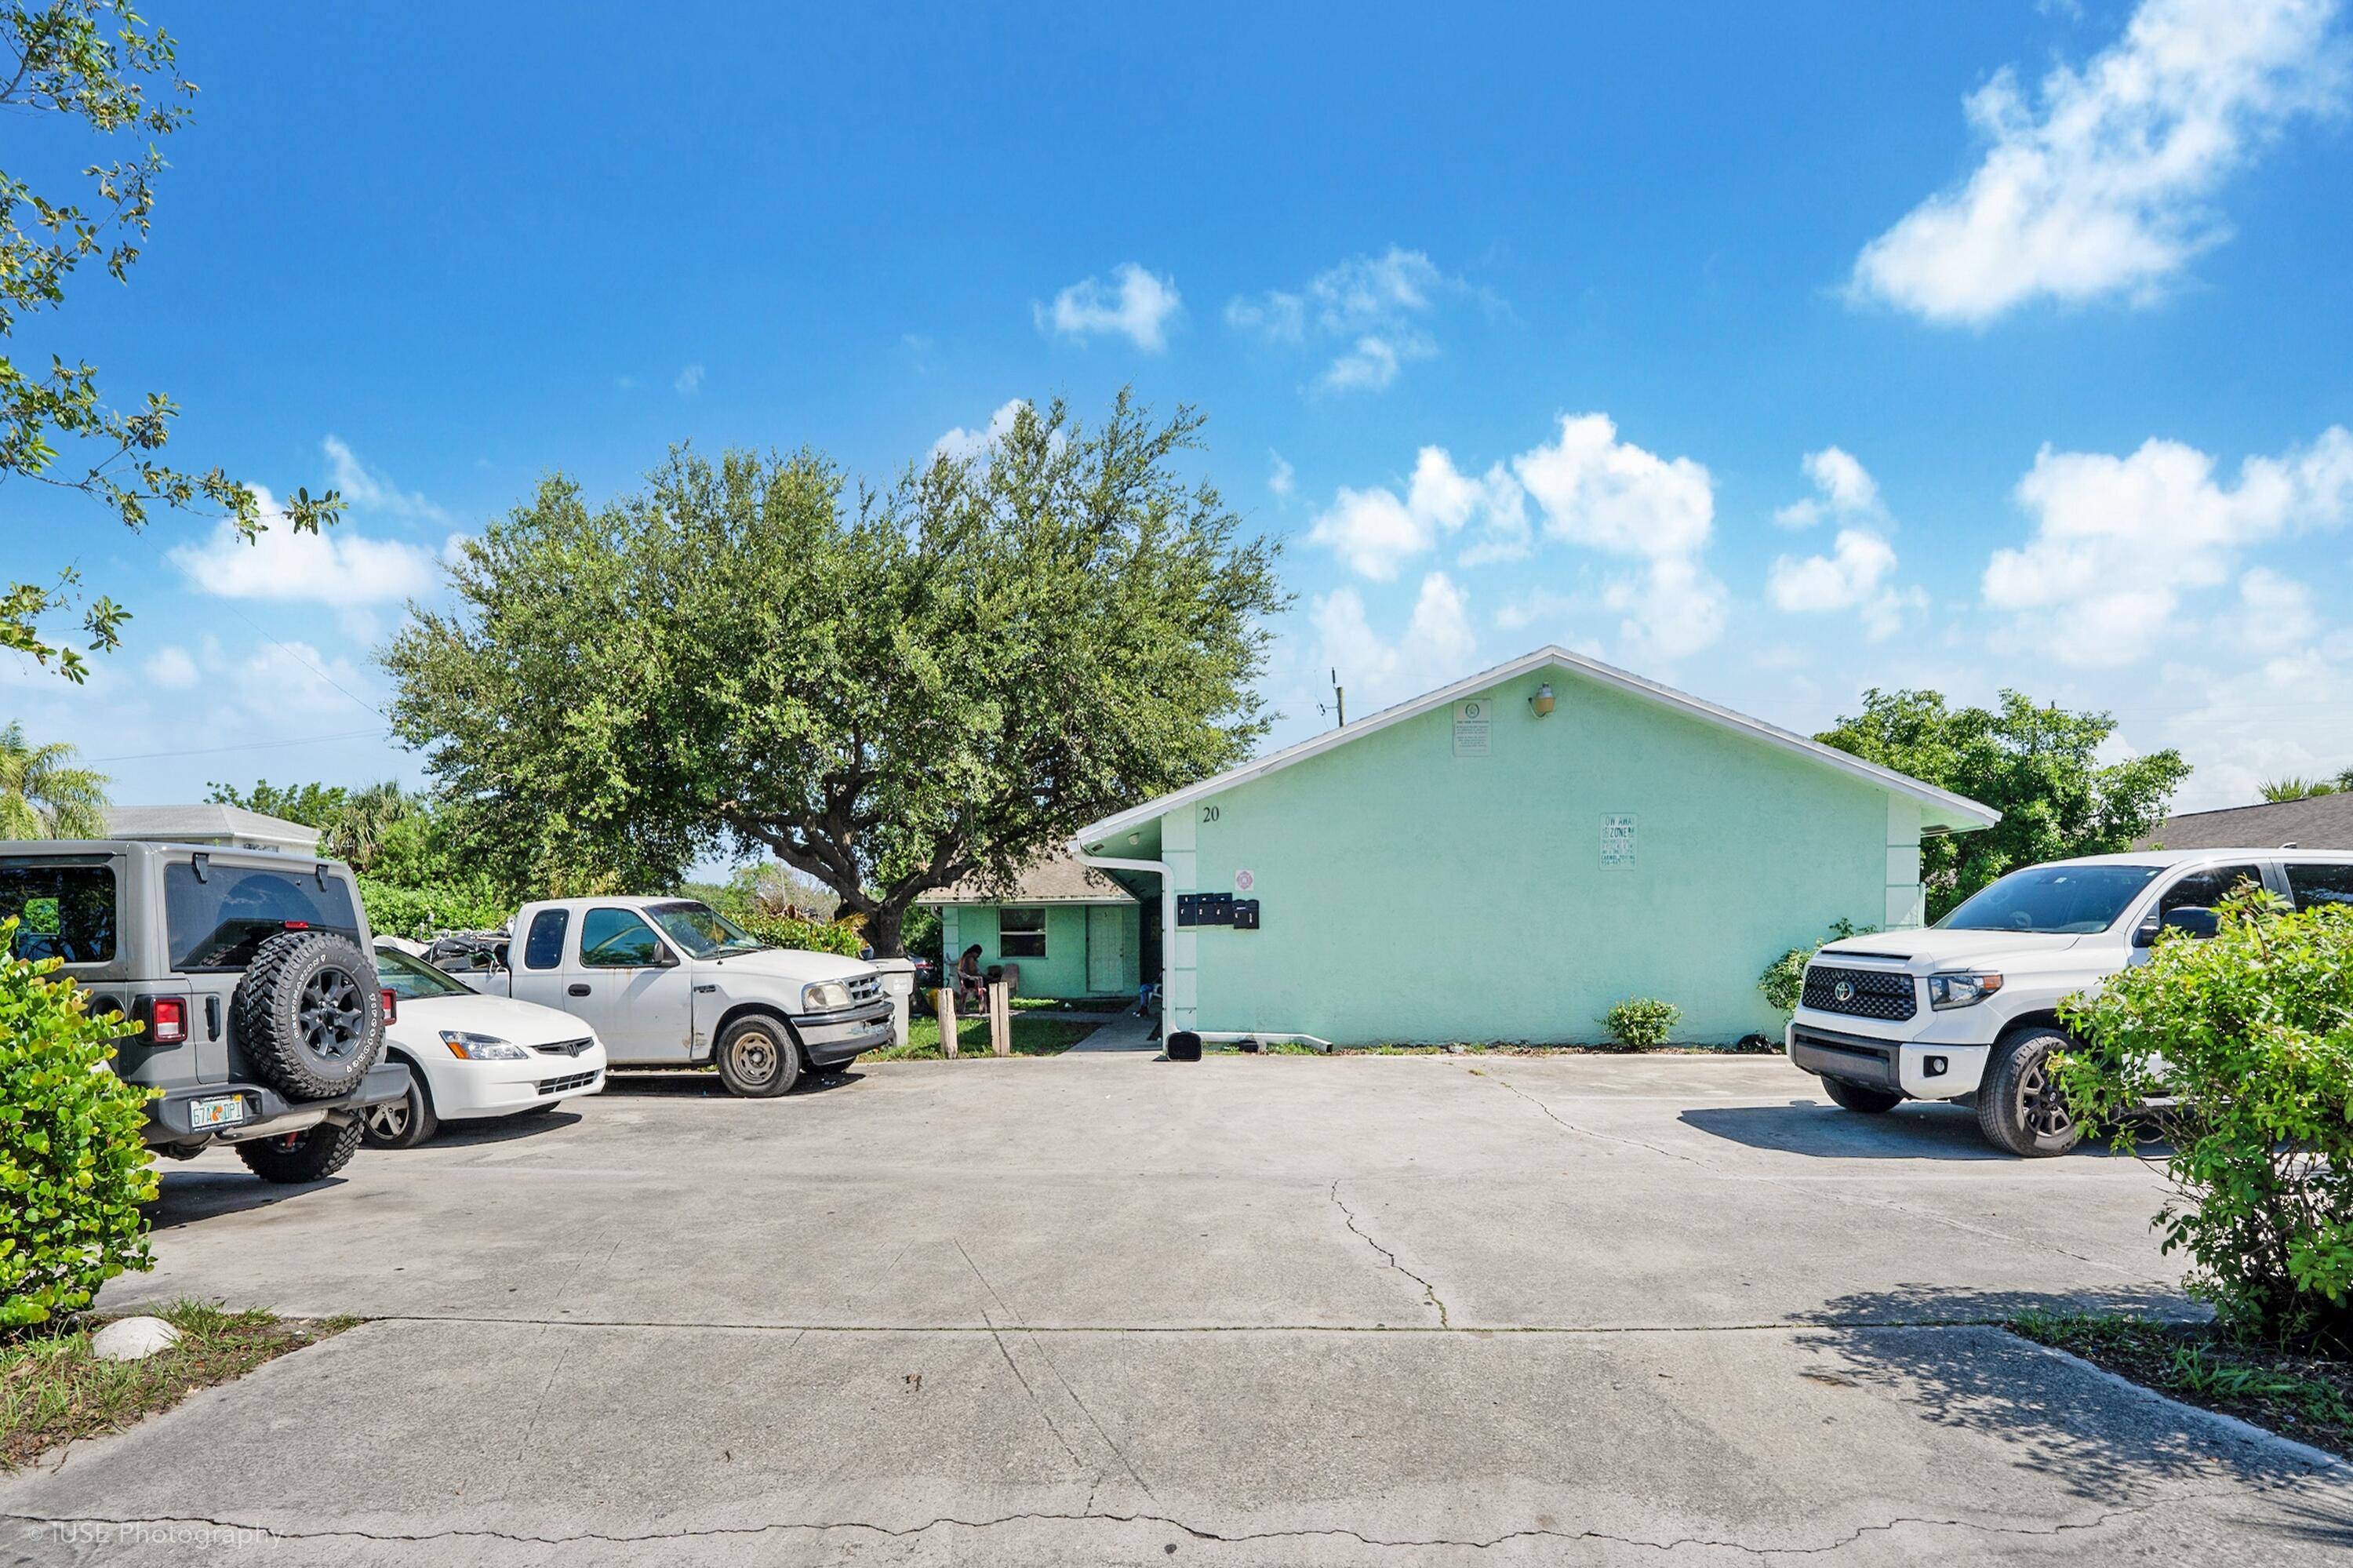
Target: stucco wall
1062,972
1410,893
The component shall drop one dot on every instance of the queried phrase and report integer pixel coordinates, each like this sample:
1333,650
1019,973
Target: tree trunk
883,923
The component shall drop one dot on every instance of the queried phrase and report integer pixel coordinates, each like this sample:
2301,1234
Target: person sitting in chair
971,985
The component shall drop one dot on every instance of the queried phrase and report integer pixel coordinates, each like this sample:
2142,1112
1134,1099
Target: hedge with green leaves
73,1158
816,936
1784,980
421,912
2250,1033
1641,1024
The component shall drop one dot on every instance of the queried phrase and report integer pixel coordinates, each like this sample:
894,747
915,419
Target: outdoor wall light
1542,701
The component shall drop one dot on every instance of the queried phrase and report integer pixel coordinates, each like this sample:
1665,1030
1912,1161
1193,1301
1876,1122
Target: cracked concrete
1253,1311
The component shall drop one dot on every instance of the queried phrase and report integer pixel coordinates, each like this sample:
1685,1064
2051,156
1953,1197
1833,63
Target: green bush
1784,980
73,1161
2250,1033
817,936
1641,1024
420,912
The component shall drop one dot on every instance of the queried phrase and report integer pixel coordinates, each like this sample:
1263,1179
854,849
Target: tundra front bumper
1921,1069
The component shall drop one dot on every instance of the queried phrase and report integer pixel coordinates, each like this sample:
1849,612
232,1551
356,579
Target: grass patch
53,1390
1065,1005
2308,1398
1033,1035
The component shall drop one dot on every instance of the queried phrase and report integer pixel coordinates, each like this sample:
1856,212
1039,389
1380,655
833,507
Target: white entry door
1107,950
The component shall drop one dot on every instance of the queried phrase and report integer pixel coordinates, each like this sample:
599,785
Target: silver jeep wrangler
262,1020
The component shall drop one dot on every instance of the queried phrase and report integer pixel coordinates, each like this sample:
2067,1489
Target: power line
249,746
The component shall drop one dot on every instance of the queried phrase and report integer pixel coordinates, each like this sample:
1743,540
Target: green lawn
1034,1034
53,1390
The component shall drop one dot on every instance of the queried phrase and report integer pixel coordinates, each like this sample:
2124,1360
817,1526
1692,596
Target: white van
1967,1010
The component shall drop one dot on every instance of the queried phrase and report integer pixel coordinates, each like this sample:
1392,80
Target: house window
1021,933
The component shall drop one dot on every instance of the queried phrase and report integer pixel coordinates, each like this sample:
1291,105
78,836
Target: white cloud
368,490
1854,575
337,566
688,381
1374,531
1282,479
1845,489
1137,306
2275,612
170,668
1376,309
960,445
1590,490
2119,541
2101,184
1437,644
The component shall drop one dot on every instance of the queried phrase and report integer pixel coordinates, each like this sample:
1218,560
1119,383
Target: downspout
1167,930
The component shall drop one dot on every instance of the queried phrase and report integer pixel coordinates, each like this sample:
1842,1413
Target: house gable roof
2317,822
208,819
1056,880
1953,812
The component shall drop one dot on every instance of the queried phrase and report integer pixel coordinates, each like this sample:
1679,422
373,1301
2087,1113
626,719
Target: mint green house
1505,858
1076,933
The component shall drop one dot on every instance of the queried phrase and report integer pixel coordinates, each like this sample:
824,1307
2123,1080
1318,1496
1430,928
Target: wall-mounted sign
1474,727
1244,881
1618,841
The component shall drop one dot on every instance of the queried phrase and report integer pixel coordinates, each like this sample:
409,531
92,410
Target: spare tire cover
309,1015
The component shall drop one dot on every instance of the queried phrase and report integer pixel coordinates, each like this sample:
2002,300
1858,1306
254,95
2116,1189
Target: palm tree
357,835
42,795
2295,788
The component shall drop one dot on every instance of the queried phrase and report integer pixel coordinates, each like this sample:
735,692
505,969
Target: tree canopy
42,795
889,692
100,63
2038,766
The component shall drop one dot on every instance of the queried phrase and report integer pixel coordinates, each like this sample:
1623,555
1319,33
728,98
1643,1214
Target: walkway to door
1127,1032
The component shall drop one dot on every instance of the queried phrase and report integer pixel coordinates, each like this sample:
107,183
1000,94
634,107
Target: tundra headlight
824,996
1966,990
483,1047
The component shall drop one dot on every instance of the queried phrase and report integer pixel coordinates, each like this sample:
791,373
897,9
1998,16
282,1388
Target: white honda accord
471,1055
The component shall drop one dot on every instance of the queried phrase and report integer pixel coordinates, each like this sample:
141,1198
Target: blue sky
1776,356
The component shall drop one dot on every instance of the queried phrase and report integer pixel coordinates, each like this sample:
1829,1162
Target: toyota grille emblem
1843,991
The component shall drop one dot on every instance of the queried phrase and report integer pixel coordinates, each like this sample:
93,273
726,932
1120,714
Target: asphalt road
1107,1310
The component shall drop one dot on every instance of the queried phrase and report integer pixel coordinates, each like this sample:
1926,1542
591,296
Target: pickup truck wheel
758,1058
402,1123
2019,1109
1860,1098
311,1155
309,1014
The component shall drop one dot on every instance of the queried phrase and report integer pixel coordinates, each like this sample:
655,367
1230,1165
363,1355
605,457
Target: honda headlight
1964,989
824,996
483,1047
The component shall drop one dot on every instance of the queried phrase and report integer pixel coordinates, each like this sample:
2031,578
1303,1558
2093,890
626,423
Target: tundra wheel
758,1058
311,1155
2019,1107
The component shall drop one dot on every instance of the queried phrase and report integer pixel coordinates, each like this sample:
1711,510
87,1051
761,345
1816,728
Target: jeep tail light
391,1005
167,1019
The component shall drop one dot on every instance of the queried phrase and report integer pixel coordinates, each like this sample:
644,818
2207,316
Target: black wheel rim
755,1057
2041,1105
332,1015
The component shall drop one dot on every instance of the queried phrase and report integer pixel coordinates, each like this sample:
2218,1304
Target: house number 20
1209,813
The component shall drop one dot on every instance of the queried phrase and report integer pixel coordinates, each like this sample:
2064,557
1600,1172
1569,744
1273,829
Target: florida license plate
221,1110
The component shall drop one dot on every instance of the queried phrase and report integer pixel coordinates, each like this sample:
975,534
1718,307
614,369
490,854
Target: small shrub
816,936
1642,1023
2252,1031
73,1158
1784,978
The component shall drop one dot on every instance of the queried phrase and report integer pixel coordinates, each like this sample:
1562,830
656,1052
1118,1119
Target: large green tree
2038,766
887,692
99,63
42,795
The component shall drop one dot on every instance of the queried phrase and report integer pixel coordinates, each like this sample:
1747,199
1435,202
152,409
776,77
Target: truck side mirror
663,957
2198,922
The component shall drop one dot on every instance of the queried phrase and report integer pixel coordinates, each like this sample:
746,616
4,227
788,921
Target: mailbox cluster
1216,909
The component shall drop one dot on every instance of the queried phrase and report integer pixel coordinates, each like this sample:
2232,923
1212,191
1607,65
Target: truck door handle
576,991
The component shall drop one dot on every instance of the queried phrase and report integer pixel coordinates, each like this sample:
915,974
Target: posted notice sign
1618,841
1474,727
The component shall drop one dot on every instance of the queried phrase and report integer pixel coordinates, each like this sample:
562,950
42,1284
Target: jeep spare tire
309,1014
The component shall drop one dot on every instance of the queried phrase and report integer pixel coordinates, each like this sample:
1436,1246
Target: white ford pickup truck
665,982
1967,1010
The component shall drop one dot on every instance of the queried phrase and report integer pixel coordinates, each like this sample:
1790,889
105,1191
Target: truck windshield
217,920
2052,900
411,978
703,930
63,909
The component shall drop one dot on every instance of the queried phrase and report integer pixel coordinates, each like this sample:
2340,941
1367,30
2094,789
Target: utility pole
1338,706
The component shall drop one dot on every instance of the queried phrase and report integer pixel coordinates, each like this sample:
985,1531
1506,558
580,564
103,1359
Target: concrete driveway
1106,1310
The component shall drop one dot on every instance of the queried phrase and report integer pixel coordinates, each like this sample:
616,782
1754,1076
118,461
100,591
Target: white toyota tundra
1968,1010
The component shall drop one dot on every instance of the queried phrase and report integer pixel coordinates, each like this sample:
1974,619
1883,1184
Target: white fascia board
1959,812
